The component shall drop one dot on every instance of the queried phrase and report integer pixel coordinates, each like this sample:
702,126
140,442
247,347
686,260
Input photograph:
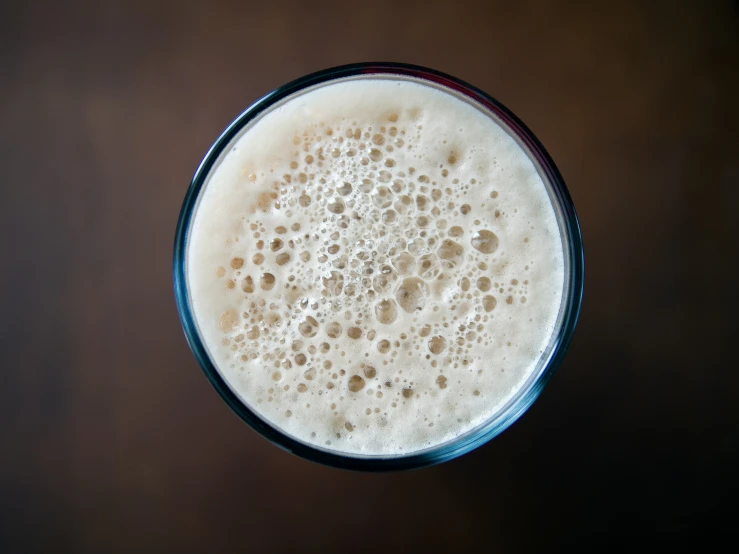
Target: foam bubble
412,294
485,241
386,311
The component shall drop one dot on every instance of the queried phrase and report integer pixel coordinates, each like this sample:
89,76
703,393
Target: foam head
375,266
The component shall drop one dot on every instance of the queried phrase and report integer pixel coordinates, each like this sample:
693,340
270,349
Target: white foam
316,382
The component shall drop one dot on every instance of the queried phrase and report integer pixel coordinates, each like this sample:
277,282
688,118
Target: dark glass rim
571,299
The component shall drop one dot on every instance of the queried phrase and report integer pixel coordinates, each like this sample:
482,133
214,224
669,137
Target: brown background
111,439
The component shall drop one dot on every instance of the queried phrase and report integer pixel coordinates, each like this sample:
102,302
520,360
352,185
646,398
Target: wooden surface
111,439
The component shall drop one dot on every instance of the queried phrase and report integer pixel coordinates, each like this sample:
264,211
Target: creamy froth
375,266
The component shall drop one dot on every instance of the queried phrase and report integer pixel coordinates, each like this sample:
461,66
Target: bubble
275,244
276,376
356,383
407,393
264,201
428,266
389,217
422,203
465,209
485,241
464,284
304,256
236,263
354,332
247,284
386,311
441,381
381,282
336,205
344,189
228,320
488,303
425,331
423,221
282,258
342,222
404,263
370,372
309,374
451,251
484,284
257,258
220,271
375,154
267,281
333,282
280,230
456,231
412,294
437,344
300,358
308,327
416,246
366,186
382,197
383,346
333,330
302,387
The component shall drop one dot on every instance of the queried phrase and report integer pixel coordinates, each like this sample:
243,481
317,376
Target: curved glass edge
572,295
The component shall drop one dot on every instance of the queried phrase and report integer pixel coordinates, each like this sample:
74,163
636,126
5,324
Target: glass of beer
378,267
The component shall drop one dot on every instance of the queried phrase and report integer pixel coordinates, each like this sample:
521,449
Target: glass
573,274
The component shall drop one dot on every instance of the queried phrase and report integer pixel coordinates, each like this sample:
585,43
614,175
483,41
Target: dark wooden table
111,439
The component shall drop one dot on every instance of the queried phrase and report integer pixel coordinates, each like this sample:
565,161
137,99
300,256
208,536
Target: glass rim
572,287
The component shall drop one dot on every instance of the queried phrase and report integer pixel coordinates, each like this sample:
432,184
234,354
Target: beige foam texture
415,200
